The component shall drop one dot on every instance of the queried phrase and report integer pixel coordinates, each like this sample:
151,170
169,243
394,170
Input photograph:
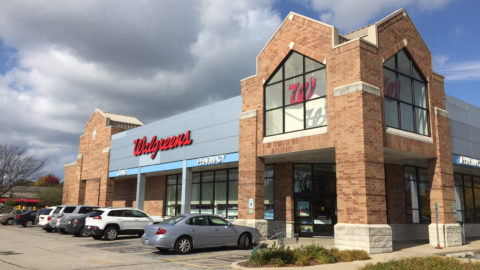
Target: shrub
423,263
305,255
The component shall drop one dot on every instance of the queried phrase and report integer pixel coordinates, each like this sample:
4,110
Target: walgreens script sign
143,147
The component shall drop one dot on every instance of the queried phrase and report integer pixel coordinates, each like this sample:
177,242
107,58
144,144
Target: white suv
111,222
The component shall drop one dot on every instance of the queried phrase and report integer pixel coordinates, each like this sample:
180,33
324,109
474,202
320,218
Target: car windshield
57,210
95,213
173,220
45,211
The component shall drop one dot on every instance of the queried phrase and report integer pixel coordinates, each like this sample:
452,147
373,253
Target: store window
295,96
467,195
406,97
215,192
174,195
417,195
269,210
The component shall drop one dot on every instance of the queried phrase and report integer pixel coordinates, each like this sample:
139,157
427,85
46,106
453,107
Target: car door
198,227
118,217
140,220
224,234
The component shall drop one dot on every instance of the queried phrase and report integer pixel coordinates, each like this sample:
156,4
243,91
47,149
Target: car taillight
161,231
49,218
97,217
18,216
75,221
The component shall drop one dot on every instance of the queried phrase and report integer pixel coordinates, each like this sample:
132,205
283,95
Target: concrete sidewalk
401,249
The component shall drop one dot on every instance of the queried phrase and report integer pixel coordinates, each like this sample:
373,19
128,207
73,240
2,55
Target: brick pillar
284,197
443,187
395,180
251,170
72,186
361,201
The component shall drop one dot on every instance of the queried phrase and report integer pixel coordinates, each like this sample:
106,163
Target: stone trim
373,238
79,156
297,134
450,235
106,150
70,164
441,112
409,135
248,114
355,87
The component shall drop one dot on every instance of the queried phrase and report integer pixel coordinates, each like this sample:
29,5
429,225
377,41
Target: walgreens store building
346,136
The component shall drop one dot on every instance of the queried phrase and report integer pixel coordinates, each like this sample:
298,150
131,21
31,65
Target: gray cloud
149,59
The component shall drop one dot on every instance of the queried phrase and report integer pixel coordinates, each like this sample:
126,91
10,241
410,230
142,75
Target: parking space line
190,264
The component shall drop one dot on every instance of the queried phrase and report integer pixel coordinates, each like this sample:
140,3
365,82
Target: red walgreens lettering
143,147
297,93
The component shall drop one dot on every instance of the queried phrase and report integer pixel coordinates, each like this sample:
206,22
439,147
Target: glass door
315,199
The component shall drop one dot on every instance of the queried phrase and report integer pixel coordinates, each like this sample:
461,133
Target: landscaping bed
303,256
424,263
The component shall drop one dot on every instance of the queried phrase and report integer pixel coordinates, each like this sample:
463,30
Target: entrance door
315,199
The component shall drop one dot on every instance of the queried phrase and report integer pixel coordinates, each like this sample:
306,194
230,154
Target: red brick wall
155,195
395,179
284,205
92,190
124,192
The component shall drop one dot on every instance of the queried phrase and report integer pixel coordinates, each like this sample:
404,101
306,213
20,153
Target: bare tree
16,164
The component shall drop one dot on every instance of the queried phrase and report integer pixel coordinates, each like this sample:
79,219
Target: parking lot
33,248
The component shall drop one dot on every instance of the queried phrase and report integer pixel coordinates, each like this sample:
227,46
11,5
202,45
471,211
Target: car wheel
29,223
97,237
110,233
163,250
245,241
183,245
10,221
81,232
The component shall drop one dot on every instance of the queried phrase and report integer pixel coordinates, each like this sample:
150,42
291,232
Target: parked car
42,216
8,218
111,222
47,227
59,221
185,232
26,219
76,226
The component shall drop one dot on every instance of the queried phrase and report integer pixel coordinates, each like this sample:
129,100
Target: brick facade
356,124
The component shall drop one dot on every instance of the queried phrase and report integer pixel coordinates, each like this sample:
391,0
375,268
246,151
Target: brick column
361,201
443,188
251,170
283,197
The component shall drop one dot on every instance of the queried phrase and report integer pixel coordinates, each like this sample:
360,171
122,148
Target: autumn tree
16,164
49,180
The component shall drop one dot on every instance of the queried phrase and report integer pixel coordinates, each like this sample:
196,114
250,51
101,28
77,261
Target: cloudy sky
59,60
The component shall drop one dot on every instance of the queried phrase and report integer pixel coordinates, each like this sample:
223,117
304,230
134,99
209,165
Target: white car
43,215
46,223
111,222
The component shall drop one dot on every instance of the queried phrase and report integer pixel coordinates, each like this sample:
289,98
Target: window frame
177,202
273,186
284,106
417,186
397,98
228,182
472,187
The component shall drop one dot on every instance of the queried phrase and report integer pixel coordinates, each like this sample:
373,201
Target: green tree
50,195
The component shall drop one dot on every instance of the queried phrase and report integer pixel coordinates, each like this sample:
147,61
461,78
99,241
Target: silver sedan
185,232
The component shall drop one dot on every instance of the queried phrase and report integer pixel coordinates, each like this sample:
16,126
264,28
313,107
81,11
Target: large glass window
467,195
215,192
295,96
174,195
406,99
269,211
417,195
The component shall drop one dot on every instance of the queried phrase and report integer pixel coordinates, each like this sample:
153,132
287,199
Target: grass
424,263
305,255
